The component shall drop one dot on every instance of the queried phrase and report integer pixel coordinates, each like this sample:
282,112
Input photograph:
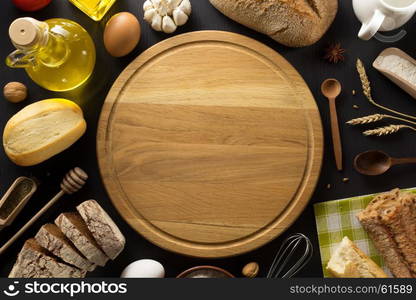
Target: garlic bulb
166,15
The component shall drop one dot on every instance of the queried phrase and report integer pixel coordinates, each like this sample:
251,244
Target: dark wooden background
308,61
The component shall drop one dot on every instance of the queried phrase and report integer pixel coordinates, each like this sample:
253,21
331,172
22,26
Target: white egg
144,268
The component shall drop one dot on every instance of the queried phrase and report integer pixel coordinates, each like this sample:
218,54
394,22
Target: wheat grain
367,90
387,130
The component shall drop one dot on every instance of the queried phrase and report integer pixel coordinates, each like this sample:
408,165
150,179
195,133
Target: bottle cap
24,31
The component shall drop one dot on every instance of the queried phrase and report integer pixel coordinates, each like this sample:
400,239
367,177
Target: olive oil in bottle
95,9
57,54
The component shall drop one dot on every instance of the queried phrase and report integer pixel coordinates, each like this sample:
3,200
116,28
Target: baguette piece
34,261
348,261
51,238
294,23
103,228
75,229
42,130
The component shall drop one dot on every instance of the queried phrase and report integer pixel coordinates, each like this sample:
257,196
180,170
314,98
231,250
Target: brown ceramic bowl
205,272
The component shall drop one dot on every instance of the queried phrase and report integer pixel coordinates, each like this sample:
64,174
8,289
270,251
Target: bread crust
35,262
386,245
74,228
294,23
102,227
51,238
385,221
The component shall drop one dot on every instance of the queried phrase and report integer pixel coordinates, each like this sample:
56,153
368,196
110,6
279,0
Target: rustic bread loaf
35,262
397,223
51,238
294,23
385,244
102,227
42,130
348,261
75,229
389,221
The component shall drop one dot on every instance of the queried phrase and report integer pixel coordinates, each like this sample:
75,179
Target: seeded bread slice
75,229
102,227
52,239
34,261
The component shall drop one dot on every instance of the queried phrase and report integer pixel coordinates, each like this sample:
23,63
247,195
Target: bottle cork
25,32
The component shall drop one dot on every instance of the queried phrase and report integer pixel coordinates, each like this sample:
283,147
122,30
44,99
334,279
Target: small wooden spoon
331,88
377,162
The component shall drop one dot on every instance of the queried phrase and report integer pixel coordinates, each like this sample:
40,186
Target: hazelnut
15,92
251,270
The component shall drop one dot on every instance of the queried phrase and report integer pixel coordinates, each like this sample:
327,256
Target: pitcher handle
369,29
20,59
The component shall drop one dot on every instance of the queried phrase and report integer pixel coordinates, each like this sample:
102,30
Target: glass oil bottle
57,54
95,9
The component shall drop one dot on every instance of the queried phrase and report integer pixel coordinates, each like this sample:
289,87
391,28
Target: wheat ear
367,90
375,118
366,119
387,130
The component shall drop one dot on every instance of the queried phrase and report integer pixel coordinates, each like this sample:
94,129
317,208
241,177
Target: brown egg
121,34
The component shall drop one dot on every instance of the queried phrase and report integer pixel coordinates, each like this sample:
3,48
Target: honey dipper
73,181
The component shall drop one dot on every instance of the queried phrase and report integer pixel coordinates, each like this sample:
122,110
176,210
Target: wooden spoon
377,162
331,88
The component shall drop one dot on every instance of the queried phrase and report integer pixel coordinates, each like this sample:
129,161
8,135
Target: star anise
334,53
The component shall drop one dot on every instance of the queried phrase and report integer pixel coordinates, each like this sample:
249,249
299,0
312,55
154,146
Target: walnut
15,92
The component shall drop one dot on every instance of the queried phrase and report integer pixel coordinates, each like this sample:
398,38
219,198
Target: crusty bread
348,261
385,244
75,229
51,238
42,130
102,227
389,219
35,262
398,223
294,23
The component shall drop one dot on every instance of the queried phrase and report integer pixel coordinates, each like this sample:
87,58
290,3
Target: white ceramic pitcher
382,15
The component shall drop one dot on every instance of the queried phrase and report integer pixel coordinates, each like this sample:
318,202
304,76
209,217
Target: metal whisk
297,246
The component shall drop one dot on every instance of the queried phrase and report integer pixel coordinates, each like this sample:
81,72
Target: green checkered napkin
336,219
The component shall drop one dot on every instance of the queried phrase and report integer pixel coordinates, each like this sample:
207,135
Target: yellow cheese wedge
42,130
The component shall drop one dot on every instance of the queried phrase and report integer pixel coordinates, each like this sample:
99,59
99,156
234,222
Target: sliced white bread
102,227
52,239
75,229
348,261
34,261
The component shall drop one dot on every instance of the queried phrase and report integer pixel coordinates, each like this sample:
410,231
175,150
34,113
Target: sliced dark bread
102,227
34,261
75,229
52,239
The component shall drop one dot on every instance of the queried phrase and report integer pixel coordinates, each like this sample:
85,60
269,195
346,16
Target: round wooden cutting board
210,144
